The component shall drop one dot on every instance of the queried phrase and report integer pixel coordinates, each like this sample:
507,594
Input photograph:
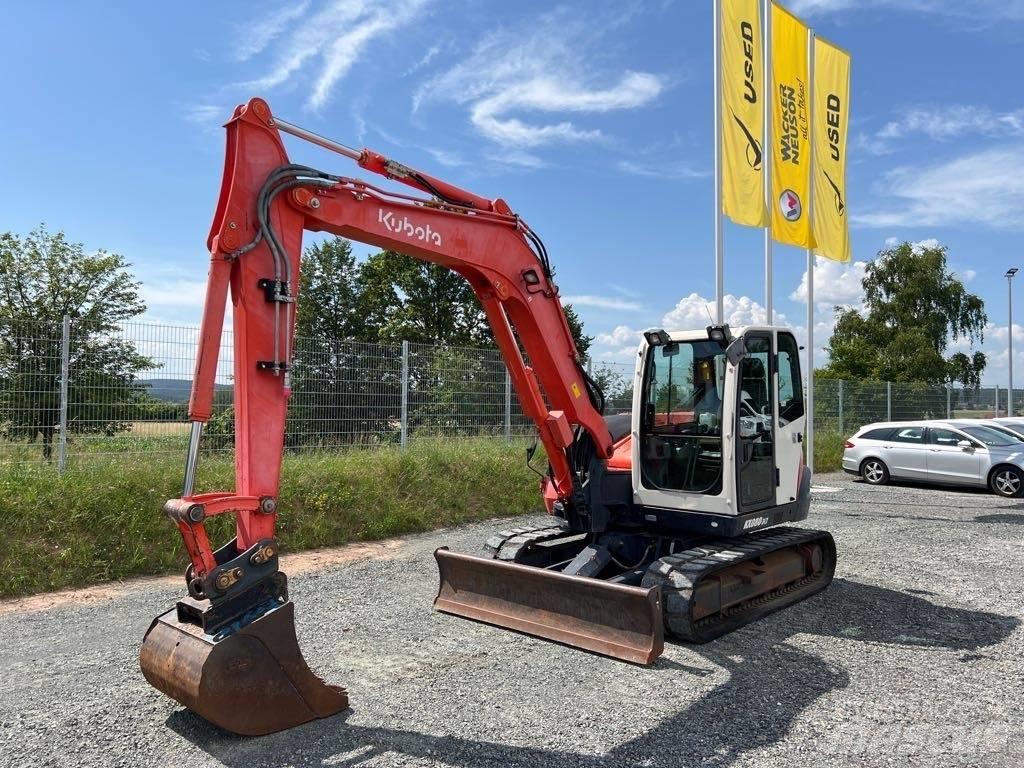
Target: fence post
508,406
842,431
996,388
888,401
65,373
405,393
949,401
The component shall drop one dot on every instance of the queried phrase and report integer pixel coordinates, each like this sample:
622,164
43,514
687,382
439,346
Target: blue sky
593,119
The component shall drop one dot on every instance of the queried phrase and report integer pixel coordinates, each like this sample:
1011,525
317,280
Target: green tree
419,302
43,277
583,341
344,389
914,306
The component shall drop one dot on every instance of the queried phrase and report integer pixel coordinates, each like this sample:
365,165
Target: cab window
946,437
909,435
791,387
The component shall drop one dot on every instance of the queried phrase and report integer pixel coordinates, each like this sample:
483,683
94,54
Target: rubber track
679,574
506,545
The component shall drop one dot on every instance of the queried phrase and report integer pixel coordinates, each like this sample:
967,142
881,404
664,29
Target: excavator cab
685,506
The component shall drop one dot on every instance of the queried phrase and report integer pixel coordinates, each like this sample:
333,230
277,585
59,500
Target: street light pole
1009,341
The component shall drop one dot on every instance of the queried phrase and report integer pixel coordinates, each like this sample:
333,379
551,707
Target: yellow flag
790,121
742,113
831,115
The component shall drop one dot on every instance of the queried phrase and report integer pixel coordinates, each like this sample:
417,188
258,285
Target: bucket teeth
251,682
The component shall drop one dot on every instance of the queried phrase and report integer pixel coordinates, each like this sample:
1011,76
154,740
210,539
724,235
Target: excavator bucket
611,619
251,682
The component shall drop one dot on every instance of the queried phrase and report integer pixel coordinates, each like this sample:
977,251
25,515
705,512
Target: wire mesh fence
75,389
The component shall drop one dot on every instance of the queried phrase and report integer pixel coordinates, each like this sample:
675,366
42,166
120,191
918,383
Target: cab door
790,417
756,475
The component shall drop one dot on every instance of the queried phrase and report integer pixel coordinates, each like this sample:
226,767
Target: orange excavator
664,519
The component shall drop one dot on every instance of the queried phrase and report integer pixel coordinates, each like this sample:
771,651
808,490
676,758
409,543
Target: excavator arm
228,650
255,244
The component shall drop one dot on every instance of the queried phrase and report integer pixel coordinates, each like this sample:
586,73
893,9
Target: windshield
684,388
1005,431
681,424
990,436
1017,429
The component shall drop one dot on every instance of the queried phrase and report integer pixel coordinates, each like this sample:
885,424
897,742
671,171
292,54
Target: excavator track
507,545
720,585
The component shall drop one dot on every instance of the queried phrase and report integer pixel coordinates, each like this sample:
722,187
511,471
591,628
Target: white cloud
256,36
994,346
621,335
834,284
941,123
174,293
981,188
618,345
695,311
539,69
325,45
209,117
966,275
424,61
444,157
974,9
667,170
603,302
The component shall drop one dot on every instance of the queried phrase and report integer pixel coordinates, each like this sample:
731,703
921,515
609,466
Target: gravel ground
912,657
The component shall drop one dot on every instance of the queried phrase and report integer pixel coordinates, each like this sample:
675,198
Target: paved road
913,657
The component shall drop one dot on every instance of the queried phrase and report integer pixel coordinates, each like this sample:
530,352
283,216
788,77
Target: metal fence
71,390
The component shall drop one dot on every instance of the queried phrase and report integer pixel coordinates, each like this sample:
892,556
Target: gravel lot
913,657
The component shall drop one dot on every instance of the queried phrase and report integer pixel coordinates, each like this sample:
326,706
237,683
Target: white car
957,452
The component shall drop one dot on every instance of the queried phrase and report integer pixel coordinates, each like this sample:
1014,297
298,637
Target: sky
592,119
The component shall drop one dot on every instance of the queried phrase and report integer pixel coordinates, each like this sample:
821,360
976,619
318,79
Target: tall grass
101,520
828,451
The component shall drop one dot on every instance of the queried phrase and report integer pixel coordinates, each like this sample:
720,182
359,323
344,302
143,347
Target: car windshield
989,436
1006,431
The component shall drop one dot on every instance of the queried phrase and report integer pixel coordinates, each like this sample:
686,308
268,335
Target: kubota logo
405,227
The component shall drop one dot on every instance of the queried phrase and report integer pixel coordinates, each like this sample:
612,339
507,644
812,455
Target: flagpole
719,256
766,165
810,252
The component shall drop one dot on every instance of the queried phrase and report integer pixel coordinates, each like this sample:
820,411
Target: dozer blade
611,619
251,682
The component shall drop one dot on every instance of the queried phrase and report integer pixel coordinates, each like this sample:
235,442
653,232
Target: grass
101,520
828,451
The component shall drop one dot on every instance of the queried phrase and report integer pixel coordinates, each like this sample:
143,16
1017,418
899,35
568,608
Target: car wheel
1007,481
874,472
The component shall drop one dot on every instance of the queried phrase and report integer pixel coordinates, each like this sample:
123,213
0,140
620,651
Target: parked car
991,424
958,452
1013,423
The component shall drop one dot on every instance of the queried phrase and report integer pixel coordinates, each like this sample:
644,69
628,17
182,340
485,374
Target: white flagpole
810,253
766,164
719,255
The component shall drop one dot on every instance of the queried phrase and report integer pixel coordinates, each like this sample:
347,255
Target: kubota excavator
662,518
